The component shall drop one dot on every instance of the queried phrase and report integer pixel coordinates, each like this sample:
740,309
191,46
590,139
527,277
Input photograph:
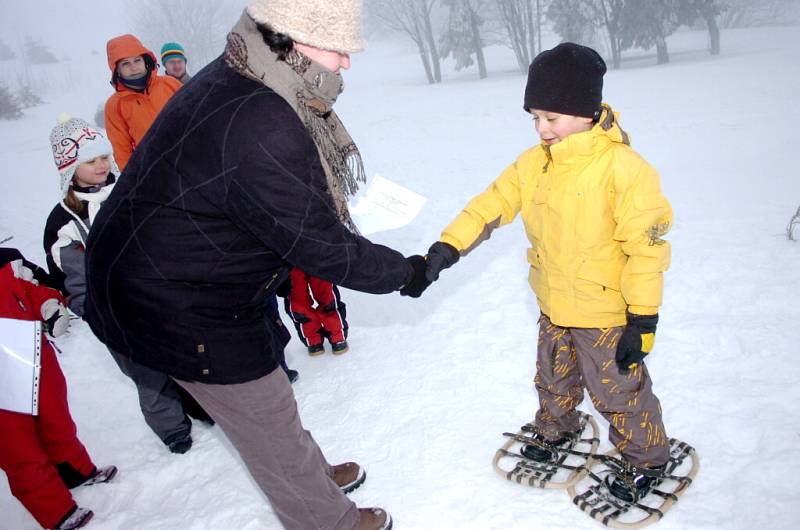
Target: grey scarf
311,90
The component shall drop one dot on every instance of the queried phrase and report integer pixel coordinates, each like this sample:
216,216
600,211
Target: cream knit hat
333,25
74,142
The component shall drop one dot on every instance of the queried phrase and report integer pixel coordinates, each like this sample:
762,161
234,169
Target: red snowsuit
327,319
32,446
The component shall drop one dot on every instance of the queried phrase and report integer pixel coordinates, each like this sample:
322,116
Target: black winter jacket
225,192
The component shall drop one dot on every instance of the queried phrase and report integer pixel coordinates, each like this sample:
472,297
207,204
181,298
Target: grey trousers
260,419
569,359
158,398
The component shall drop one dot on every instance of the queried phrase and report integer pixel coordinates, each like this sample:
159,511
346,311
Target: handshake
425,270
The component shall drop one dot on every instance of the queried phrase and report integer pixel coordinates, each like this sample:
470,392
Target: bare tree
574,20
6,53
648,22
794,221
744,13
707,10
38,53
413,17
462,38
609,13
200,26
522,22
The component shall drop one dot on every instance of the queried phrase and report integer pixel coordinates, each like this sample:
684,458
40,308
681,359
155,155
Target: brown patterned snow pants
569,359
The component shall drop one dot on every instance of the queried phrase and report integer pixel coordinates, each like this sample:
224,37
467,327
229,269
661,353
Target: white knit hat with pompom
74,142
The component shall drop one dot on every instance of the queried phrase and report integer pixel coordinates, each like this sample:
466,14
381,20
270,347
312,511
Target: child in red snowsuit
41,455
327,319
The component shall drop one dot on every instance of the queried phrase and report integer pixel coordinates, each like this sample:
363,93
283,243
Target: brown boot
374,519
348,476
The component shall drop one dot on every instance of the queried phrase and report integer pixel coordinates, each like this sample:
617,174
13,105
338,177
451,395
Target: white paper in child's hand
386,205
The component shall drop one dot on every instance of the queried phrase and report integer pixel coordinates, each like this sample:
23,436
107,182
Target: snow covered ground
429,384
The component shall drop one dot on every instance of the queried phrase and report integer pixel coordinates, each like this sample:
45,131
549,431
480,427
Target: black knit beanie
567,79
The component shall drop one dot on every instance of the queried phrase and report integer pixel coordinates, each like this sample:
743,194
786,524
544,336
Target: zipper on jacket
549,157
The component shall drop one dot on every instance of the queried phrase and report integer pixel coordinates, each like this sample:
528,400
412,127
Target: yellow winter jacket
594,215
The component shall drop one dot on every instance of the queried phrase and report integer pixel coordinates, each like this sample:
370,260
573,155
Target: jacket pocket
597,289
534,212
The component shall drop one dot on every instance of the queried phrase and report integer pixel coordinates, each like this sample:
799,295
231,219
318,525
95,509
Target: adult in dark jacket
244,174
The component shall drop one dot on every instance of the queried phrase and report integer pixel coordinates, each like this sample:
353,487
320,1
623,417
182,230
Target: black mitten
440,256
636,341
417,284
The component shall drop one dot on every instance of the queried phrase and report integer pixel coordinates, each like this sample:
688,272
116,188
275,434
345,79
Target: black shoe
100,475
76,518
340,347
539,454
292,375
180,445
622,485
316,349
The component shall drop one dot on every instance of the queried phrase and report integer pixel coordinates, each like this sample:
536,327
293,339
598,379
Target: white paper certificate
386,205
20,364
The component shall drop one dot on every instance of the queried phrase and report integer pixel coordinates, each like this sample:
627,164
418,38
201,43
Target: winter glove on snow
54,317
415,286
440,256
636,341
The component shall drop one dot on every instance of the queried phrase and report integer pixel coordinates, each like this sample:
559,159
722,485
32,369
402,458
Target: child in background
140,94
315,323
42,455
595,216
88,173
173,57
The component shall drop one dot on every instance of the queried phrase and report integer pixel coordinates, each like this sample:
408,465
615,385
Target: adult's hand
417,284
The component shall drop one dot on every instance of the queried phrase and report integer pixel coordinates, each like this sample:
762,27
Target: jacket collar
599,138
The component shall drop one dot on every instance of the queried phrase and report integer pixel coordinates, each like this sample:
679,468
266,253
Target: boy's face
175,67
132,67
554,127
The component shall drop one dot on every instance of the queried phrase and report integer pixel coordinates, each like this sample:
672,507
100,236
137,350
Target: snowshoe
545,451
622,496
553,465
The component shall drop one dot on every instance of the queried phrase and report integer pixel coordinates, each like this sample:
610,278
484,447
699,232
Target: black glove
636,341
440,256
415,286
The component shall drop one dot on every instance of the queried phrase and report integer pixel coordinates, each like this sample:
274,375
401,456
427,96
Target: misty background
52,45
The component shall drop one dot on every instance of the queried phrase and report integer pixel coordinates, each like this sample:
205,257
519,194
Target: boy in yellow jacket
595,216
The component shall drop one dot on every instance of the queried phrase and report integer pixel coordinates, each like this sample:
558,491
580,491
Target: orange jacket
128,113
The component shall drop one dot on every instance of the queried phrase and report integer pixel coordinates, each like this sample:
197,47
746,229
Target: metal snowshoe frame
600,504
556,473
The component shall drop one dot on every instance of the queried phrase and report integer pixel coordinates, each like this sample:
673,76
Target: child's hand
440,256
55,317
636,341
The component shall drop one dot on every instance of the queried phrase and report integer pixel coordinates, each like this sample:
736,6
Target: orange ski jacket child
128,113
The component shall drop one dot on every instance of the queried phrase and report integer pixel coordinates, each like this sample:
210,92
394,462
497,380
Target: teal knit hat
172,50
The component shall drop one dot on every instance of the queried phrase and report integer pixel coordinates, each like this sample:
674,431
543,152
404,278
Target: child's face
92,172
554,127
175,67
131,67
